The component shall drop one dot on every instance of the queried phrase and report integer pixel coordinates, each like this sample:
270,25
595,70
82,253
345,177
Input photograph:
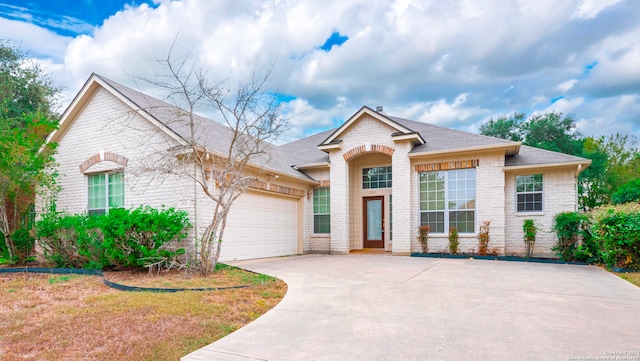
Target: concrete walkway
379,307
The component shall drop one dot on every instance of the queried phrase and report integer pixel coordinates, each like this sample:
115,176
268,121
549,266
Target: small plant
483,238
423,237
530,230
454,242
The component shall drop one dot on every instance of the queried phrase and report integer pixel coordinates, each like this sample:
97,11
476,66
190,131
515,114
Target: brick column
402,193
339,203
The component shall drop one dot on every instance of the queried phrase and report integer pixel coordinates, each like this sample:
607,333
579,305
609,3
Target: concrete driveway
380,307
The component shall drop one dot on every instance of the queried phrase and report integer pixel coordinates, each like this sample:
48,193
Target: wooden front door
373,222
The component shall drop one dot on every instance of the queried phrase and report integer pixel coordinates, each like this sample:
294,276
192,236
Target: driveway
380,307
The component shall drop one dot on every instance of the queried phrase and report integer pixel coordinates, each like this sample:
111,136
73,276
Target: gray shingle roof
534,156
216,137
440,138
208,133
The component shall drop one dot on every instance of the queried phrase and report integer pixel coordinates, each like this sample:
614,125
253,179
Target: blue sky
455,63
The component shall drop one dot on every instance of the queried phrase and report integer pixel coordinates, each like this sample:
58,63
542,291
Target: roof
211,135
530,156
306,152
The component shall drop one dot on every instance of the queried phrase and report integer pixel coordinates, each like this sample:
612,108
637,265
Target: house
368,184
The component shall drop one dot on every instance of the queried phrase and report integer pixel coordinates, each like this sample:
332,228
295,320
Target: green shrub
24,242
628,192
4,251
570,227
453,240
71,240
530,230
617,232
423,237
139,237
136,238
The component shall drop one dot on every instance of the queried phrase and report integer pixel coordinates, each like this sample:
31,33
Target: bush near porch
609,234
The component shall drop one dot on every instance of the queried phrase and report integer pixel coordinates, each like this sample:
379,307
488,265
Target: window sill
320,235
529,214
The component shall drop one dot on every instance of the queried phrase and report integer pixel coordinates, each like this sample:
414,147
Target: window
529,193
448,199
376,177
106,191
321,210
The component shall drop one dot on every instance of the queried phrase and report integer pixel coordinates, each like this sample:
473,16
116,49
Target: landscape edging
114,285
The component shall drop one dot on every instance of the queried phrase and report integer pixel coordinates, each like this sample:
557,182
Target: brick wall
559,195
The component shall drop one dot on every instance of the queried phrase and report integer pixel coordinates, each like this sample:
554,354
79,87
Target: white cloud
588,9
565,86
40,41
452,63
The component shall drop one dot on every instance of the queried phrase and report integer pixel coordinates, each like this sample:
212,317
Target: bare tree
224,164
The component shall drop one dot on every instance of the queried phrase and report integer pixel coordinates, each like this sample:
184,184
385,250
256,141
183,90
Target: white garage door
261,225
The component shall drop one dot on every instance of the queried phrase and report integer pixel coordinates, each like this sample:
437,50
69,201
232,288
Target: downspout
576,187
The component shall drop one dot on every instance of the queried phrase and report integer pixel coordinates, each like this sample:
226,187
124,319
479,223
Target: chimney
379,109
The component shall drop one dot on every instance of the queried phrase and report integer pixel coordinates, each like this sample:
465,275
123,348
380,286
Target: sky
452,63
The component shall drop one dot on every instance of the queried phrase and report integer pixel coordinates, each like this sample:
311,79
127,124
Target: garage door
261,225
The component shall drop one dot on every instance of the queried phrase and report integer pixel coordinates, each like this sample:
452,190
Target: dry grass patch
633,277
56,317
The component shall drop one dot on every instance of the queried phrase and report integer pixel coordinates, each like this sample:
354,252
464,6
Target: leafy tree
505,127
27,99
23,165
552,131
24,86
629,192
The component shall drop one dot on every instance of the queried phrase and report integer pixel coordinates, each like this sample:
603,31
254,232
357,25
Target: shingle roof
535,156
440,138
305,151
210,134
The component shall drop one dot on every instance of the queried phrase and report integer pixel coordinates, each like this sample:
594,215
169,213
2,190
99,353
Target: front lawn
56,317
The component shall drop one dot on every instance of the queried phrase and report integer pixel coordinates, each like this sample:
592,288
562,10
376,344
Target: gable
376,123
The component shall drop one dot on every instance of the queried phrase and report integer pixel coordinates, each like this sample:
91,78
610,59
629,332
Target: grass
633,277
57,317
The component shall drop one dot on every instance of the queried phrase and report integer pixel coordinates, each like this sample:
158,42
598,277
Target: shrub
24,242
628,192
483,238
71,240
617,232
423,237
570,227
453,240
530,230
142,237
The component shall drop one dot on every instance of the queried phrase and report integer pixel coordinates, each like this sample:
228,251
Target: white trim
548,165
356,116
515,194
514,146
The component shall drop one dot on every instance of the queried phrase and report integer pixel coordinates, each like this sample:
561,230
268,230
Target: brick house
368,184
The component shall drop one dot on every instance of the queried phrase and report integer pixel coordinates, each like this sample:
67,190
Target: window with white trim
447,200
321,210
529,193
376,177
106,191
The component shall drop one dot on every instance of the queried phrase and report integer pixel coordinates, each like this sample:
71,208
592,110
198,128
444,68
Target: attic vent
379,109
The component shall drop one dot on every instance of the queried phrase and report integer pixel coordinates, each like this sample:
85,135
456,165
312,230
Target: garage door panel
261,225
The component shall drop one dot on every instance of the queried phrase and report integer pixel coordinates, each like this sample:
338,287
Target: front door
373,222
